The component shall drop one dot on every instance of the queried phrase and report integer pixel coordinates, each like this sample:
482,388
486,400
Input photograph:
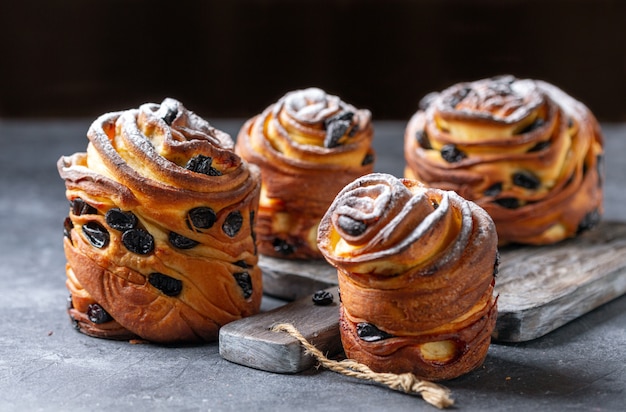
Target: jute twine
432,393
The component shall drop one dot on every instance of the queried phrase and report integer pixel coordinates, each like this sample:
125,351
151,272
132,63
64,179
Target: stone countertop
46,365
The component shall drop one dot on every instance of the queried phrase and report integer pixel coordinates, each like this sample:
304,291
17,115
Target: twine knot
406,382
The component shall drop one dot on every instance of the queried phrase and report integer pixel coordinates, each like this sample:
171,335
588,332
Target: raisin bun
309,145
525,151
416,269
159,239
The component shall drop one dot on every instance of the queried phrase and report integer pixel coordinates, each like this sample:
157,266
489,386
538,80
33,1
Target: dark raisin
526,180
493,190
423,140
181,242
588,222
533,126
427,100
97,235
457,97
539,146
118,220
252,224
201,218
202,164
323,298
68,225
496,264
370,333
243,264
138,241
435,204
80,207
75,323
368,159
166,284
335,132
244,281
600,169
351,226
508,202
97,314
232,224
353,131
336,127
171,114
452,154
347,115
252,232
570,122
281,246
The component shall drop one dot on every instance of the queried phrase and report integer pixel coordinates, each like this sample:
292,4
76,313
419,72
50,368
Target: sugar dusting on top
312,105
503,99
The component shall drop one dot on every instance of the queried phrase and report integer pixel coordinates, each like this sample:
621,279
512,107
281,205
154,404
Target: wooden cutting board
250,341
540,288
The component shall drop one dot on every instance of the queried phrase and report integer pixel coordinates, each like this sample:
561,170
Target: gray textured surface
46,365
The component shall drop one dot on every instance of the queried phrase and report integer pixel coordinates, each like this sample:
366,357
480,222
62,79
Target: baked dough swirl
524,150
159,239
309,145
416,269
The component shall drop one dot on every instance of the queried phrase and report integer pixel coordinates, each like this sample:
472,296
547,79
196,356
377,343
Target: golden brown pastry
525,151
416,269
159,238
309,145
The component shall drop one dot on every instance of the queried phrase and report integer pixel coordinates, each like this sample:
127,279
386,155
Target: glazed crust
171,276
525,151
304,165
418,264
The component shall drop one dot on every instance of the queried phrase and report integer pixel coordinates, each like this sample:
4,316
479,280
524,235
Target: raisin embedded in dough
202,217
370,333
232,224
138,241
97,235
166,284
119,220
181,242
244,281
97,314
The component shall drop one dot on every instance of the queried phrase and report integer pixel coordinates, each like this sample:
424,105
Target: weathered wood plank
250,341
542,288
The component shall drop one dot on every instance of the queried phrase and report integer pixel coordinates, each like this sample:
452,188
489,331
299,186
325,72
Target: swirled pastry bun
525,151
309,145
416,269
159,240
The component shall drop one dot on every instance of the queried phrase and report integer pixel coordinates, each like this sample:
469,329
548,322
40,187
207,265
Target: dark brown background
231,58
